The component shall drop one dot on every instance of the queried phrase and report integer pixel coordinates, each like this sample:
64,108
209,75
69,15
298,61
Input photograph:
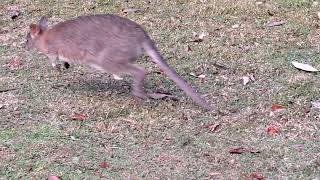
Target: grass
166,139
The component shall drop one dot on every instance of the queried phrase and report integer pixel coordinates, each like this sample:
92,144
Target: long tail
152,51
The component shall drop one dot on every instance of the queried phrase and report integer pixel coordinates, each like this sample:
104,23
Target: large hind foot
138,75
140,94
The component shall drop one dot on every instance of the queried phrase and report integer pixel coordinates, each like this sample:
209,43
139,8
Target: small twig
6,90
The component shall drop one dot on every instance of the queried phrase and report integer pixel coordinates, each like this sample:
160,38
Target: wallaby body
107,43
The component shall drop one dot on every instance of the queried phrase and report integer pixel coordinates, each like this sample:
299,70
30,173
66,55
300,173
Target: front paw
66,65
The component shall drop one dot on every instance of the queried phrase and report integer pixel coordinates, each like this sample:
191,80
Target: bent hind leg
133,70
138,74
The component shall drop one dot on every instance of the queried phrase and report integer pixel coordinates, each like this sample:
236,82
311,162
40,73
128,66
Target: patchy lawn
81,124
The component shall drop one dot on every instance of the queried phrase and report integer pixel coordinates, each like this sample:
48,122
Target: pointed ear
43,23
34,30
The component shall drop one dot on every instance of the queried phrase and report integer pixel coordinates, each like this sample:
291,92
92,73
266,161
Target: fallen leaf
116,77
189,48
57,86
199,38
104,165
277,108
7,90
256,176
73,138
213,127
270,13
163,158
220,66
272,130
316,104
168,139
161,96
298,147
245,80
252,78
241,150
275,23
14,14
79,117
202,35
53,178
130,10
253,151
156,72
307,110
235,26
75,160
201,76
215,175
184,117
238,150
130,121
305,67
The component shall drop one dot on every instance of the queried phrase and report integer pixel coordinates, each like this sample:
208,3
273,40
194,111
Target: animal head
35,32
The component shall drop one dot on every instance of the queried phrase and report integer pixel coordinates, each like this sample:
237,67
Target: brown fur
108,43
